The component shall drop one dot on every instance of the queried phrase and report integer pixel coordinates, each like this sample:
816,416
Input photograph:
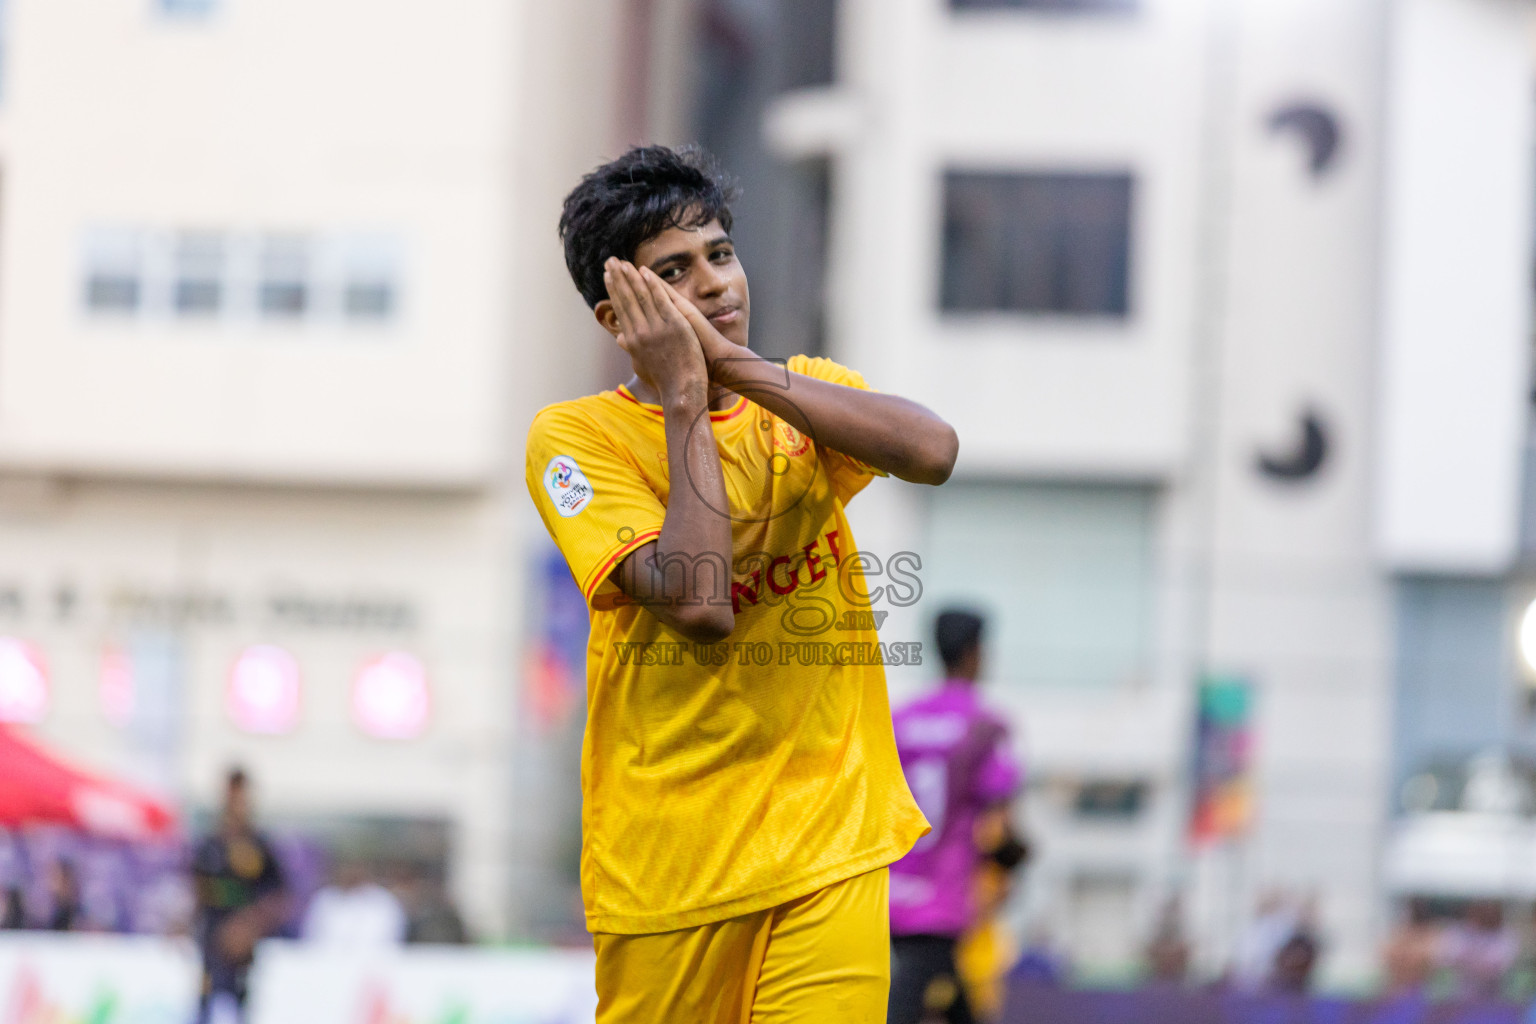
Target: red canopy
36,788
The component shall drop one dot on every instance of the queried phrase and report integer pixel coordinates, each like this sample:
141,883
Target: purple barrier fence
1034,1004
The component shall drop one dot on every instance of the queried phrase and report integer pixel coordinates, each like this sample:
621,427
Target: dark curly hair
623,203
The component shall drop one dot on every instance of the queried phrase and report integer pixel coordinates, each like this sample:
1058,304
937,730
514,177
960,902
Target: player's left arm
894,435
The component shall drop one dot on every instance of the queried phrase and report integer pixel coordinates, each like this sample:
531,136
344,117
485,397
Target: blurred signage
1223,787
292,983
79,979
23,682
263,695
390,697
179,607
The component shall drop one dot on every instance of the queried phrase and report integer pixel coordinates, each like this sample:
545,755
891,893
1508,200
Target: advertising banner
293,983
86,979
1223,789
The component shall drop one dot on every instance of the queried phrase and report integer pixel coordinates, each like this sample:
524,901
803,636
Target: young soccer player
742,794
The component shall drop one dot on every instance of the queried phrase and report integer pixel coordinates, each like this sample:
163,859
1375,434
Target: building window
227,279
807,43
187,8
1037,243
199,285
284,289
114,272
1045,5
370,269
1064,574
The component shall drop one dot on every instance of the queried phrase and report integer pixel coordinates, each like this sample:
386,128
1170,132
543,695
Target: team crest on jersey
567,486
789,440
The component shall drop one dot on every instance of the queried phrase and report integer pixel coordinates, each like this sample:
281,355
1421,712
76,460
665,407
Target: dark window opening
1109,799
284,298
1037,243
284,291
369,300
1045,5
807,53
188,8
107,293
199,289
749,54
198,298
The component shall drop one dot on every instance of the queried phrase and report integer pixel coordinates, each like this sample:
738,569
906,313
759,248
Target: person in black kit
13,911
64,897
240,896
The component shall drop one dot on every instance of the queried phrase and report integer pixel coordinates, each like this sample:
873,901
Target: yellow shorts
822,959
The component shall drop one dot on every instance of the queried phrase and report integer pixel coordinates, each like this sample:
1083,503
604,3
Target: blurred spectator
1520,985
956,759
1273,923
1480,950
1168,951
1296,959
63,897
354,910
55,878
986,949
433,917
1041,963
1410,954
1294,963
13,914
240,898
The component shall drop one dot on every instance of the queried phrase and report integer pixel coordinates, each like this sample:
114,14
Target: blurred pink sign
264,686
390,697
23,682
116,686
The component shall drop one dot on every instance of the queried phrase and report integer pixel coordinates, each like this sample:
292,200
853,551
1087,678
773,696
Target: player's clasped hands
658,338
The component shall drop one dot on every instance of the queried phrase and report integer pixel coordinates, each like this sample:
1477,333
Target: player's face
701,264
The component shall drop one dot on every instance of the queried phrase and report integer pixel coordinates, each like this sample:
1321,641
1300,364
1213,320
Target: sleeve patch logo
567,486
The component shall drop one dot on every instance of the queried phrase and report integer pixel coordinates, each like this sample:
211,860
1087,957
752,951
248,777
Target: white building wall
1256,298
145,462
312,118
1456,285
1295,602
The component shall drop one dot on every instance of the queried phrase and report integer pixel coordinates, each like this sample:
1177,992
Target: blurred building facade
1227,298
283,292
1230,304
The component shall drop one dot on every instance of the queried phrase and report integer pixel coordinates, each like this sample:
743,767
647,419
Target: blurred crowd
1466,950
227,890
1469,950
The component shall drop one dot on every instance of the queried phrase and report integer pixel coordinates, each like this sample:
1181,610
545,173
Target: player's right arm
683,576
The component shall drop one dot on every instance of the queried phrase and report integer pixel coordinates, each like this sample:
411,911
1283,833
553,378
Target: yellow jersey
718,780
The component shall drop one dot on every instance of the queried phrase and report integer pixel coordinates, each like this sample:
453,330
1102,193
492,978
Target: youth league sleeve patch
567,486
